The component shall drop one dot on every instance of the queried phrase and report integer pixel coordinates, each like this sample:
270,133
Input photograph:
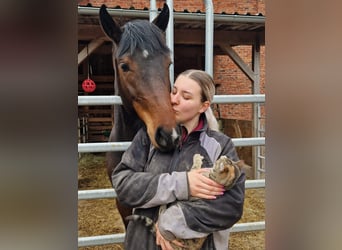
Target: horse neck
126,123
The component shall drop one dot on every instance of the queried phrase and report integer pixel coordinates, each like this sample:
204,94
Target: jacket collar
201,126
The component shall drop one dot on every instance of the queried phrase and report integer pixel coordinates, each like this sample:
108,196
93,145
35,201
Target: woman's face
186,101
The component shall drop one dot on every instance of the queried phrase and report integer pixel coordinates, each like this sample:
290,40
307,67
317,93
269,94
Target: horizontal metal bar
96,194
99,100
110,192
251,141
119,238
94,11
101,240
249,226
102,147
255,183
257,98
116,100
122,146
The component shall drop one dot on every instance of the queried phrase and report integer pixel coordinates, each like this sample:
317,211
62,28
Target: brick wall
233,81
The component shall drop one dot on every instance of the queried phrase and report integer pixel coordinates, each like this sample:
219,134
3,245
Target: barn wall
232,81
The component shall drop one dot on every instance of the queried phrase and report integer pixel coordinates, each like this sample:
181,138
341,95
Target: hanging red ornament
88,85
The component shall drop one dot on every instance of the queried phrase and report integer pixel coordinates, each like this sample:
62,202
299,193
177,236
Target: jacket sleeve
136,188
195,218
205,216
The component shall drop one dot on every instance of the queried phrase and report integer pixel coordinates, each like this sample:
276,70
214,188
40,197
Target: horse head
141,62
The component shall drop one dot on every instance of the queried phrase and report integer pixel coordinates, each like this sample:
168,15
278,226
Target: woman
147,178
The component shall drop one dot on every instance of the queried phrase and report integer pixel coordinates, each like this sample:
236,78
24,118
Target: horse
141,61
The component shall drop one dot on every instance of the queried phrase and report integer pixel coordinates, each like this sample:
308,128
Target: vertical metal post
256,90
170,40
79,133
209,36
153,10
169,32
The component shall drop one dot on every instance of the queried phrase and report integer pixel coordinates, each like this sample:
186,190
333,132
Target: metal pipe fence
120,237
97,147
122,146
109,193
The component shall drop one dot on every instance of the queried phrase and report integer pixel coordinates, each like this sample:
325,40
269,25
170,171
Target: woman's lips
175,111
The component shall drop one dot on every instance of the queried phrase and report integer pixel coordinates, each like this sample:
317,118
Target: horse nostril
166,140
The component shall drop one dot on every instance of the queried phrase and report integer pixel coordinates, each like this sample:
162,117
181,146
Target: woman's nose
174,99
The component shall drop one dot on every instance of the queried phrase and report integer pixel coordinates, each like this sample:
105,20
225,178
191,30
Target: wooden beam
94,44
181,36
197,37
89,31
238,60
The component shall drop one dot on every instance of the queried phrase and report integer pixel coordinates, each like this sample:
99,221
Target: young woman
147,178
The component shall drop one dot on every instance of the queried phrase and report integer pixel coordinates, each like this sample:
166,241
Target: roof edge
179,16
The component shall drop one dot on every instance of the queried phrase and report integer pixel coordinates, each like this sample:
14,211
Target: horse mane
142,35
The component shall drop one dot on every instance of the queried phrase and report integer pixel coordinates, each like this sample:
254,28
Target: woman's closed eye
186,97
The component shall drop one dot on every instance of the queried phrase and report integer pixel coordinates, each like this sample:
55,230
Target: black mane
142,35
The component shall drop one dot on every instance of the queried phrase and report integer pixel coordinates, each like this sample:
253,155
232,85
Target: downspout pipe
209,36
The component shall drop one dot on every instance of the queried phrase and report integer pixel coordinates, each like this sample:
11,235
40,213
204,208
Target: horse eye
124,67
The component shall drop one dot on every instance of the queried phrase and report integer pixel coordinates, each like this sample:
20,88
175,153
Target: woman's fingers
203,187
178,243
206,179
164,244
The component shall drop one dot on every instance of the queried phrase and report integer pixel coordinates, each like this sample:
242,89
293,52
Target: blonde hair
206,82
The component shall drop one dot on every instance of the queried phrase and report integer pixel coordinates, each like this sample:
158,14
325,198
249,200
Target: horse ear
162,19
109,26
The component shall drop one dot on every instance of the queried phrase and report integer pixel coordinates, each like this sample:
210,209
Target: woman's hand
163,243
203,187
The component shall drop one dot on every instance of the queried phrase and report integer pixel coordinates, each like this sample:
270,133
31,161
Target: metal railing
122,146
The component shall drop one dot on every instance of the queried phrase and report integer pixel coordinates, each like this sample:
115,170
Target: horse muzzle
167,140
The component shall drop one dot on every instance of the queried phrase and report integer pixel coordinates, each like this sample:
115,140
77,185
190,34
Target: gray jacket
147,178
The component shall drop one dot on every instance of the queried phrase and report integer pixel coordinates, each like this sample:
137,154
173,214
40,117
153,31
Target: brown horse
141,61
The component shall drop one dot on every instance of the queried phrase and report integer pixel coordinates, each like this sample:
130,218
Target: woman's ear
205,106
